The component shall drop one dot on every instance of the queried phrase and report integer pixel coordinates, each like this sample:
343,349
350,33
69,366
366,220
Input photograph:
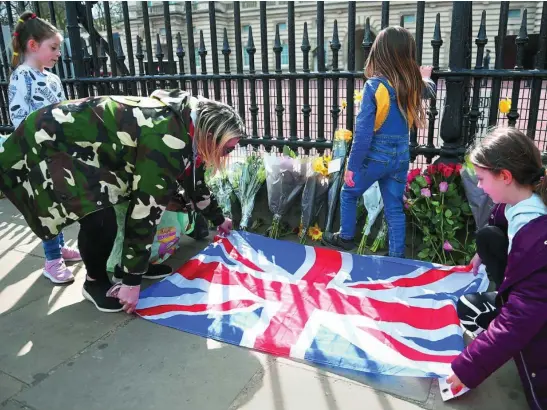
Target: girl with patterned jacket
37,46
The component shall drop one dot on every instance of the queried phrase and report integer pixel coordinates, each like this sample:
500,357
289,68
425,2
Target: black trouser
96,240
477,310
492,245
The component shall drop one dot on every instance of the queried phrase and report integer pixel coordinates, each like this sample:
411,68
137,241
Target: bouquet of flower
285,179
314,195
222,189
372,199
436,203
246,179
342,137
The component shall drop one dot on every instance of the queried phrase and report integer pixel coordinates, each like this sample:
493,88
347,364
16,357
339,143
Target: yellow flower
315,233
505,105
342,134
357,96
344,104
318,165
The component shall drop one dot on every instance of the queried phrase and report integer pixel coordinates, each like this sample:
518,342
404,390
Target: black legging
96,240
492,245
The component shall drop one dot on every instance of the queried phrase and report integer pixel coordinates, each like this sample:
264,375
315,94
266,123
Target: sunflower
505,105
315,233
318,165
344,104
357,96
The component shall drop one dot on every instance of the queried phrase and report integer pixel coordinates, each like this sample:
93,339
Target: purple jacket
520,329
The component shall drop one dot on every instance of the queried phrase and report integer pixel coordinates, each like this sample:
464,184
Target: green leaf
450,222
448,213
288,152
421,181
423,254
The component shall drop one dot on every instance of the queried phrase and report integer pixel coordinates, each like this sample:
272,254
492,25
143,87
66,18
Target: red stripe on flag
418,317
426,278
327,264
405,350
198,308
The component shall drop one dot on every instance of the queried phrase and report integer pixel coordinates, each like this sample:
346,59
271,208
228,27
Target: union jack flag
364,313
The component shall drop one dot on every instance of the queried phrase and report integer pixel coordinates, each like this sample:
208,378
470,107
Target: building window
285,54
244,39
163,32
196,46
249,4
514,14
409,19
282,27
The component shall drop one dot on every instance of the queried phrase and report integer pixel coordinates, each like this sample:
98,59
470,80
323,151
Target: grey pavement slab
413,388
146,366
43,334
9,386
284,387
13,405
21,280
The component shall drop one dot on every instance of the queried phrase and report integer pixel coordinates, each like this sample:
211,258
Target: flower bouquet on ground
437,206
342,137
372,199
285,180
246,179
219,184
314,196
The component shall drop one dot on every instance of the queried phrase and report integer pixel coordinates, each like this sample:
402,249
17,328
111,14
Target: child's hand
425,71
476,262
348,179
456,384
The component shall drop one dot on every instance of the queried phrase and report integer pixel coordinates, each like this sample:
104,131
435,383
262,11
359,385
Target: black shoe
158,271
96,293
334,240
201,228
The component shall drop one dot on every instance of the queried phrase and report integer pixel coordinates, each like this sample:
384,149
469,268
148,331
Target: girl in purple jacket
512,322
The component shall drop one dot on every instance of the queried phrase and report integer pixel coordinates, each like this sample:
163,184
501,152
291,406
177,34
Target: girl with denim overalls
391,106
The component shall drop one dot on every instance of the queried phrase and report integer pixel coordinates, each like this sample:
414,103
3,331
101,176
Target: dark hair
393,56
29,26
510,149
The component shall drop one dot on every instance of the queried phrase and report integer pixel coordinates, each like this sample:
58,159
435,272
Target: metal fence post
452,122
73,29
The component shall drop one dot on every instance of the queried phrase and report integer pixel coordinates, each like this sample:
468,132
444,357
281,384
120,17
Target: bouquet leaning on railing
436,204
372,200
342,137
314,195
246,178
285,179
219,184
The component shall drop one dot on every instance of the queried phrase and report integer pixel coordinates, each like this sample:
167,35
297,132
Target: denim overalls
379,153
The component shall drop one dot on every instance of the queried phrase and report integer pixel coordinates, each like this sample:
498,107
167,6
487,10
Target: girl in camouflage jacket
74,160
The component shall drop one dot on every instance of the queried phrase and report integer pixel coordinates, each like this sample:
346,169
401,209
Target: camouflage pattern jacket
70,159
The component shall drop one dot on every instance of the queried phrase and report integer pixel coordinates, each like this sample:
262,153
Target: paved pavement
57,352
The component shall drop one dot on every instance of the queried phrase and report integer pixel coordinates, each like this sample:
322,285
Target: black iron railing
294,104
